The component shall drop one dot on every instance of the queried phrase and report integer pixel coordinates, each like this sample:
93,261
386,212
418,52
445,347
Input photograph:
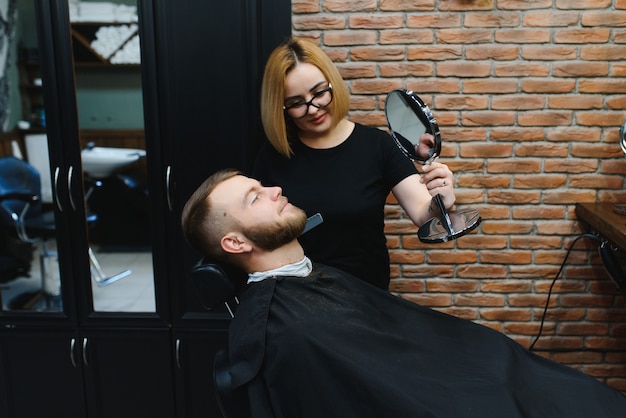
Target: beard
269,237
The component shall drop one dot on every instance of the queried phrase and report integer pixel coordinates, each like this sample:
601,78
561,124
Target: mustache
270,237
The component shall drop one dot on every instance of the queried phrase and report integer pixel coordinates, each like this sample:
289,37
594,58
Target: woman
343,170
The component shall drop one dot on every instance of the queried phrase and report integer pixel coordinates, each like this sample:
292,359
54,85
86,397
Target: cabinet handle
72,346
178,354
57,171
168,174
70,172
85,362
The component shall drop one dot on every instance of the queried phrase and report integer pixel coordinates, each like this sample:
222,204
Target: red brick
529,97
463,5
406,5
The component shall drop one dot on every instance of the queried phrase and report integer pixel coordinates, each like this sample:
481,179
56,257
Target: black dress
331,346
348,184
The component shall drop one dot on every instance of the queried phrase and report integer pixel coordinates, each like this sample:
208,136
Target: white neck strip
300,269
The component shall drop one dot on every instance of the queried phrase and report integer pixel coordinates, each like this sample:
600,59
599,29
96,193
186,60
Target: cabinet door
112,283
40,375
202,65
128,373
50,291
194,352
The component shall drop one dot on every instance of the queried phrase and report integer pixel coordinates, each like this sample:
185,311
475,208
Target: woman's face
302,83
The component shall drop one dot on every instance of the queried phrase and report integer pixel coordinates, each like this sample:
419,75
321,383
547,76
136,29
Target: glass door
107,58
87,148
34,284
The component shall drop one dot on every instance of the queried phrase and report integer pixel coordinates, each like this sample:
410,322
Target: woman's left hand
439,180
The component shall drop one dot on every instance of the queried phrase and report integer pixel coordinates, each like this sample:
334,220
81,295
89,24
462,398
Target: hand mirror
409,119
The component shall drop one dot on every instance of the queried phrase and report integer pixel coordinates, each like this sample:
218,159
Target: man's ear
235,243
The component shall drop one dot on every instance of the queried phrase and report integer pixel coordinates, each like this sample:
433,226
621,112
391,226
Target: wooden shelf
84,33
603,220
31,92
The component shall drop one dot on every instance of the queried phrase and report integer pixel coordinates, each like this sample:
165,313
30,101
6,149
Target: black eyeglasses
321,99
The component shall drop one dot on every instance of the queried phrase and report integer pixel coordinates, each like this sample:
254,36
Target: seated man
308,340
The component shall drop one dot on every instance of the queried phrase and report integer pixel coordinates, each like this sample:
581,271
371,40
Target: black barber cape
331,345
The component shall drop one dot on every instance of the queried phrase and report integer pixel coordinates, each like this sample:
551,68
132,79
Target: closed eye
319,93
295,103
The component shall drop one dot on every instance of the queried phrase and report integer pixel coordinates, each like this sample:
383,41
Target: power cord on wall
545,310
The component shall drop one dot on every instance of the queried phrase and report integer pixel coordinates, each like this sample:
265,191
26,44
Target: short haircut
202,228
279,130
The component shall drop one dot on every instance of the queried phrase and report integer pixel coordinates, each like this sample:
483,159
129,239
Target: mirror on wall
105,41
107,73
28,224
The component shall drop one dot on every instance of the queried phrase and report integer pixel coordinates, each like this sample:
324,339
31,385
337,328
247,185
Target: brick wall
529,96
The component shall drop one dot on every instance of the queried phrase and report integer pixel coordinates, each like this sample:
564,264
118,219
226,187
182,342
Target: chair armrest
16,204
24,196
233,403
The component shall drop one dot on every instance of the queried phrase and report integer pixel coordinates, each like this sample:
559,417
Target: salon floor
133,292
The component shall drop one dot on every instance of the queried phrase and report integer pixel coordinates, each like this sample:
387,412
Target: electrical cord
545,310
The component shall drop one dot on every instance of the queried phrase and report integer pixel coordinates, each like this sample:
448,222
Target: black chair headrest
217,283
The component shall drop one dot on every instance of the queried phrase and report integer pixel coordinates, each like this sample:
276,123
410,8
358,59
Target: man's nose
275,192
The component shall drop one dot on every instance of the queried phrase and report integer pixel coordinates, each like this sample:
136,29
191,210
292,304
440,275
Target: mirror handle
445,218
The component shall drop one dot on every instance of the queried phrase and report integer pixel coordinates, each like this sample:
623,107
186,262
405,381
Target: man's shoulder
324,269
340,278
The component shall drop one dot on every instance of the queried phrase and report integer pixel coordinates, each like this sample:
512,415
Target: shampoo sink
101,162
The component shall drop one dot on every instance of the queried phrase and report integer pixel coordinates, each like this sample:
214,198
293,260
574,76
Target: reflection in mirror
28,236
109,97
105,42
450,226
416,132
28,233
411,119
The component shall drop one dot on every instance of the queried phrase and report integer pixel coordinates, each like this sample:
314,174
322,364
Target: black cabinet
111,373
202,65
41,374
127,372
201,71
194,353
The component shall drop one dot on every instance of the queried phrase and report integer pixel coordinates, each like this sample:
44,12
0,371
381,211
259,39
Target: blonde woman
344,170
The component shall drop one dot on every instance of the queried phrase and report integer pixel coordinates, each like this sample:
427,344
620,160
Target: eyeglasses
321,99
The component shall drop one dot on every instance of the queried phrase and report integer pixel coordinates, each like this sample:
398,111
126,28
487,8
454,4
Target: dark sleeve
396,165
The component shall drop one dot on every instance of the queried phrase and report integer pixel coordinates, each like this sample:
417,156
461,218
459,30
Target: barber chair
215,288
15,255
23,213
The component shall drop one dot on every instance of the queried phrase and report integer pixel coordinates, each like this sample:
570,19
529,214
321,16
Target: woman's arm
415,192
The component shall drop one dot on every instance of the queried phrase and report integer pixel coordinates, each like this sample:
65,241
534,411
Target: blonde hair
279,130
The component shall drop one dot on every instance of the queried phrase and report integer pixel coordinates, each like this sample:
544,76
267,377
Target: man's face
262,214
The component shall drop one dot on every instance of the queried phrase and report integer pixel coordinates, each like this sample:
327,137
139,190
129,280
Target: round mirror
439,230
409,119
